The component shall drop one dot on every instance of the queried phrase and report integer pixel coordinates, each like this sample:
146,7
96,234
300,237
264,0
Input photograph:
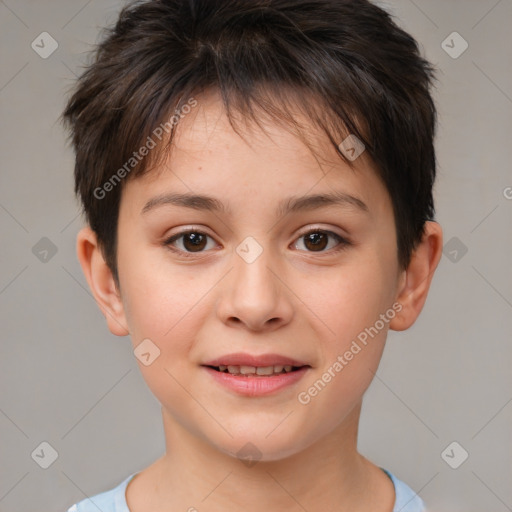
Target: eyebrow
289,205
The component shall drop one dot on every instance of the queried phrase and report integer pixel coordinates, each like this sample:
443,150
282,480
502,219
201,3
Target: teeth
246,370
265,370
255,370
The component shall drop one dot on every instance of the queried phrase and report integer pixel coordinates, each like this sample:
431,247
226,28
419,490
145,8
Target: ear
101,281
415,281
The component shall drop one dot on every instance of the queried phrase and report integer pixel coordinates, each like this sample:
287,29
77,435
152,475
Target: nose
254,294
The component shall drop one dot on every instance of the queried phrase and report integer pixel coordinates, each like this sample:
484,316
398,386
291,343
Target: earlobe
101,281
415,281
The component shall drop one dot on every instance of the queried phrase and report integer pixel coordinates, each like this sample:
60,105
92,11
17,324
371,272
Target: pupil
196,239
314,239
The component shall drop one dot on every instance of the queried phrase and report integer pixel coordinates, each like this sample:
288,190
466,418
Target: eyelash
343,242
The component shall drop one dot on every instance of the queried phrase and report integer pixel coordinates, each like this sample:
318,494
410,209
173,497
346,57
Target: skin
292,300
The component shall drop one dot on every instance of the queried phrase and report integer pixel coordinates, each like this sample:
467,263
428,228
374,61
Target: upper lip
241,359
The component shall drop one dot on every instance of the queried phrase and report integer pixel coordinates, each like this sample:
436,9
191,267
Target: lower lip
259,385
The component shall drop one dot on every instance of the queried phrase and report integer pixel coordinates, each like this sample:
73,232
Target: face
257,277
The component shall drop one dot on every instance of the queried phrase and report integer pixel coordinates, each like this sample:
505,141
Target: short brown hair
348,55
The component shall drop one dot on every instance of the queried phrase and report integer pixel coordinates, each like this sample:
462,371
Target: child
257,180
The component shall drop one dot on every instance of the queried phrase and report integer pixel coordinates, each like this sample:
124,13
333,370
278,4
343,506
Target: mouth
256,375
257,371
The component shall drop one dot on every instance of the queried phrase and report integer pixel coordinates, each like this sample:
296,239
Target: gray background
67,381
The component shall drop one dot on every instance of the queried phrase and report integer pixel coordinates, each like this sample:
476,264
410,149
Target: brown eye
192,242
318,240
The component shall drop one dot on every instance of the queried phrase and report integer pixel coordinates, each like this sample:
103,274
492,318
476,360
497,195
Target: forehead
266,162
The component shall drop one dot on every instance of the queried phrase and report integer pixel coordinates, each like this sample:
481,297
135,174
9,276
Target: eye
316,240
193,242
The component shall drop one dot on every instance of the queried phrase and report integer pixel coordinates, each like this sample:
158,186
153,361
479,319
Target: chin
254,445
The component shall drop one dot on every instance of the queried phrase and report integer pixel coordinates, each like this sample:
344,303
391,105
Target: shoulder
108,501
406,499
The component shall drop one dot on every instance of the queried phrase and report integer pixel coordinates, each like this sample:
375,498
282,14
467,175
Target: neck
329,474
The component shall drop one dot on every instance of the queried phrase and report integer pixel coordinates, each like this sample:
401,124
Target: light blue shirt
115,499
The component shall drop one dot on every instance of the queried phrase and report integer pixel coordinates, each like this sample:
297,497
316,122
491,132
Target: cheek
354,308
171,326
350,358
168,306
347,300
158,297
357,308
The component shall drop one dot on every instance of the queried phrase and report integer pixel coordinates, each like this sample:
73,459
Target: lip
242,359
257,386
